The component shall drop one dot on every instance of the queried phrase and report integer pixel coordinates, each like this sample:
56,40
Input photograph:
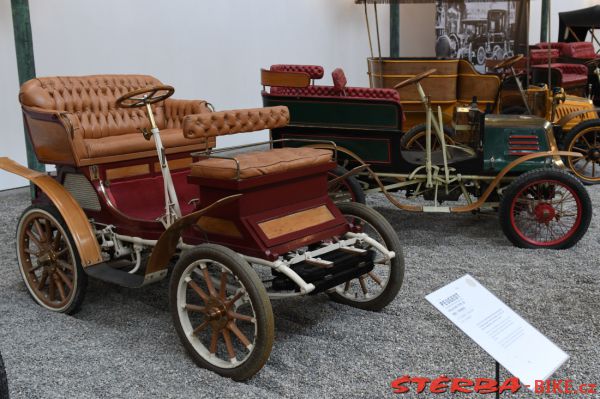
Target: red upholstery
329,91
539,56
377,94
314,71
576,69
339,80
553,45
579,50
571,74
312,91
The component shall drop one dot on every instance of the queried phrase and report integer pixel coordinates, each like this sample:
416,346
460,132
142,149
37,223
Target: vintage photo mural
476,30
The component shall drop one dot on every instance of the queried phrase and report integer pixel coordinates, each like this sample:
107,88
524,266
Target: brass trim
496,120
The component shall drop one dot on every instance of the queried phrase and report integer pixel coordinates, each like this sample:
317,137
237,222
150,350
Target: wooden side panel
296,222
284,79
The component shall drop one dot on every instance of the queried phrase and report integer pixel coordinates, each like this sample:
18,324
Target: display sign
507,337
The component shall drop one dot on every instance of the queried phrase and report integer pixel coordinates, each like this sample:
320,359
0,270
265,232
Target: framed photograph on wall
476,30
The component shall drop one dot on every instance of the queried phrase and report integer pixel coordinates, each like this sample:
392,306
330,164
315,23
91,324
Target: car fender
505,170
167,243
76,220
565,119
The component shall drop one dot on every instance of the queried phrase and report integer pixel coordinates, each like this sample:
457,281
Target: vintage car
511,163
125,204
456,83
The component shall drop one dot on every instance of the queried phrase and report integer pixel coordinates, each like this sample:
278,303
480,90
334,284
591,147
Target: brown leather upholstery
260,163
234,121
93,129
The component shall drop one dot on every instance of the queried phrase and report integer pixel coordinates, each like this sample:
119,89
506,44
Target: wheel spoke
214,341
229,344
64,278
586,141
41,233
209,284
57,239
233,300
375,278
200,327
195,308
240,335
197,289
33,238
51,290
42,281
61,288
347,286
30,252
242,317
363,285
223,286
64,264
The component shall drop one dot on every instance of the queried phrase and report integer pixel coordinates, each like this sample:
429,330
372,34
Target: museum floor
123,343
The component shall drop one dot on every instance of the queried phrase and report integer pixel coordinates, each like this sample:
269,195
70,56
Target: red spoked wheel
545,208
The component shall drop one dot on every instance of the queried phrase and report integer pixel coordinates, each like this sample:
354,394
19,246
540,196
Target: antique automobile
456,83
124,205
511,163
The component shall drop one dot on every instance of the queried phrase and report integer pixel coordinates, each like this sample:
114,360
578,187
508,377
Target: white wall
12,141
206,49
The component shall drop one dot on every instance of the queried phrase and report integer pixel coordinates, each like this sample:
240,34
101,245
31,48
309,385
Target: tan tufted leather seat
75,121
253,164
235,121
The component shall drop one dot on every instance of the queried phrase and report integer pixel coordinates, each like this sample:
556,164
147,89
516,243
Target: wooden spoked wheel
585,139
48,260
222,312
377,288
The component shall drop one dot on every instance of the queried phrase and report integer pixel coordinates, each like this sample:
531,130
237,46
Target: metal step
104,272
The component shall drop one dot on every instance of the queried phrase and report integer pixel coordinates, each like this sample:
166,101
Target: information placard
507,337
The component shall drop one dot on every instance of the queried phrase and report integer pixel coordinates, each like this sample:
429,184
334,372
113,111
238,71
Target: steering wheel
415,79
148,95
507,63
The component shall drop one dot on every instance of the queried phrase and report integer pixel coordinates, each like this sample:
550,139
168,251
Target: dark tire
3,380
49,261
515,110
529,215
414,139
584,138
347,190
237,311
388,289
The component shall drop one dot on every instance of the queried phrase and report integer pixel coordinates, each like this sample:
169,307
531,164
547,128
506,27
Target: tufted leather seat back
92,99
314,71
579,50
